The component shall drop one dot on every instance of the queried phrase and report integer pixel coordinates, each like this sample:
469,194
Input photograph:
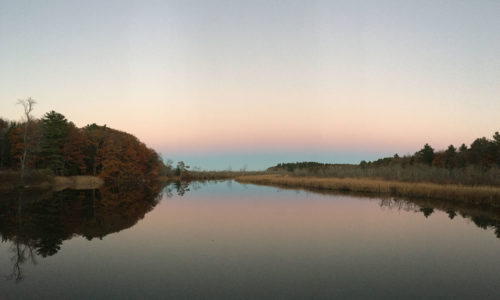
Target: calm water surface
226,240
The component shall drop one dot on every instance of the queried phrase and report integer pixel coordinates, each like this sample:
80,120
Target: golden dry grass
77,182
470,194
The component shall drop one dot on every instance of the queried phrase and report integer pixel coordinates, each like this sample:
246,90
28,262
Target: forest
54,145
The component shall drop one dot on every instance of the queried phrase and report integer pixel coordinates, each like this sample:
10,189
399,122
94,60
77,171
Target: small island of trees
54,145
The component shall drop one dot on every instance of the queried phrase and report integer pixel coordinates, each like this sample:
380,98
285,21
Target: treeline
305,165
55,145
483,153
477,164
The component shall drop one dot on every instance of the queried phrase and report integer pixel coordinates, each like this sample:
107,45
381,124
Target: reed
470,175
77,182
481,195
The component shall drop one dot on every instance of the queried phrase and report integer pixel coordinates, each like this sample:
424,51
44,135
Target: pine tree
55,129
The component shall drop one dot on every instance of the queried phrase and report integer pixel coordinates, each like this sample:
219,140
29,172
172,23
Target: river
225,240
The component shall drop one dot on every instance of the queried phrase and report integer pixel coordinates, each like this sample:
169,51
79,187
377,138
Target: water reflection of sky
227,240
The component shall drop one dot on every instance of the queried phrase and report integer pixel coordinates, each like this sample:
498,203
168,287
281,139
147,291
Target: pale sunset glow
231,83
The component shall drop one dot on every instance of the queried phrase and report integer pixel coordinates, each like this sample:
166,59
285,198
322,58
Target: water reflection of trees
37,223
485,217
482,217
21,253
180,188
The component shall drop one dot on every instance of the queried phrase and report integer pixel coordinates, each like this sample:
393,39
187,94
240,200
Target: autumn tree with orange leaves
57,144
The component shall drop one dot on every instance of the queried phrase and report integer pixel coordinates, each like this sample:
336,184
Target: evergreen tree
496,141
482,152
450,157
55,129
4,130
425,155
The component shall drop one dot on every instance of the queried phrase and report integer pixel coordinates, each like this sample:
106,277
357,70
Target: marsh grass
44,179
77,182
484,195
470,175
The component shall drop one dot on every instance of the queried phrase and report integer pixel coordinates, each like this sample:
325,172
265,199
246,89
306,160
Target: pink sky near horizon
236,128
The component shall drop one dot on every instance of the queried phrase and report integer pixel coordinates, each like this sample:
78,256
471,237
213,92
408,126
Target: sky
248,84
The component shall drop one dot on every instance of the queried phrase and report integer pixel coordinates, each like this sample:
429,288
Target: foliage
58,145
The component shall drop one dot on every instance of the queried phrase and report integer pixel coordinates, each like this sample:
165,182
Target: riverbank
77,182
37,180
480,195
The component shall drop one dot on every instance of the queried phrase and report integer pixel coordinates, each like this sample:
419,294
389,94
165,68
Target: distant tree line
476,164
305,165
55,144
483,153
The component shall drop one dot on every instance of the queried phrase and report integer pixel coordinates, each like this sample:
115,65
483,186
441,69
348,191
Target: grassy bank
470,175
77,182
42,180
467,194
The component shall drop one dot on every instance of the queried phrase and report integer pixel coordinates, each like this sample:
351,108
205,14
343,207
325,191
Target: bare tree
27,105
